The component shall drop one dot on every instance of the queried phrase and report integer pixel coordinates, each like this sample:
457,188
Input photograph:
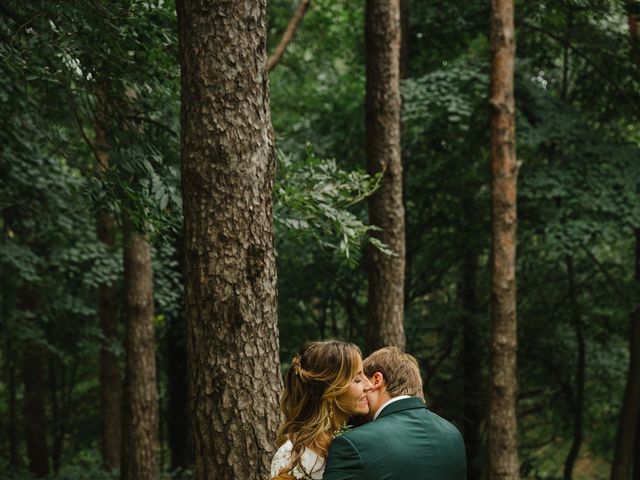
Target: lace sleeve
281,460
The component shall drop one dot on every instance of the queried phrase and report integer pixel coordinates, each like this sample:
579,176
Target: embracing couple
328,384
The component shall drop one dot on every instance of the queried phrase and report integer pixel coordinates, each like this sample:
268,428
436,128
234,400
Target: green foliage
313,197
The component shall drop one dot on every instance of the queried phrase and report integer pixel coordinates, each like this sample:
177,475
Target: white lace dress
311,461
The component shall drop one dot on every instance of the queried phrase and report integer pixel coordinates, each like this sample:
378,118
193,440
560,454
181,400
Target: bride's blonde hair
319,373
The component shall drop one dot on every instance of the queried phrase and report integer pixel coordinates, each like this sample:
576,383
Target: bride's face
354,400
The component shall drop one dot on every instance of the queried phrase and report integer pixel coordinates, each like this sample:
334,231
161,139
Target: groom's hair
400,371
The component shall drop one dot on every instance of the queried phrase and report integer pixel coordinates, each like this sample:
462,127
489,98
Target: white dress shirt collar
399,397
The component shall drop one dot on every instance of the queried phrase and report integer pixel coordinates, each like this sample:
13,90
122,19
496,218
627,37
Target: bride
323,387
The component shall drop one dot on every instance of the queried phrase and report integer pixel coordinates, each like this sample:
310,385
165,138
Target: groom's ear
377,380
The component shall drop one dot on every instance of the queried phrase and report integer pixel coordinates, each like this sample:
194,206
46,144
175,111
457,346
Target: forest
192,189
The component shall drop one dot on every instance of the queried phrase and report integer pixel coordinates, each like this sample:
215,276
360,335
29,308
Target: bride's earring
331,411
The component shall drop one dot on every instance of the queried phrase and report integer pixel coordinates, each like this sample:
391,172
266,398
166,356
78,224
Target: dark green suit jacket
405,442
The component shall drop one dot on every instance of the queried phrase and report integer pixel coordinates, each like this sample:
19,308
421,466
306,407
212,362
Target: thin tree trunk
629,414
140,414
502,424
34,410
472,365
386,210
578,396
110,380
228,168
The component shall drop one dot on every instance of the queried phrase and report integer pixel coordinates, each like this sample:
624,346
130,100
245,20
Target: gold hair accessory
295,363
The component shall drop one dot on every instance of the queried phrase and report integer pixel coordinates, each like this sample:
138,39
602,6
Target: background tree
140,416
386,210
502,423
110,378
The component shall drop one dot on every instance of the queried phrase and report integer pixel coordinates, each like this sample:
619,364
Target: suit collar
400,405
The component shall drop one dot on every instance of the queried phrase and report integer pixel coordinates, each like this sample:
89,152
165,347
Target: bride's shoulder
284,451
281,458
312,463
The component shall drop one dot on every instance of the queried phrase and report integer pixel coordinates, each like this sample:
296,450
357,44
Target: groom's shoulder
443,425
363,432
379,428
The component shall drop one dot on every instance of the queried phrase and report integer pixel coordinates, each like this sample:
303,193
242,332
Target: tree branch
294,23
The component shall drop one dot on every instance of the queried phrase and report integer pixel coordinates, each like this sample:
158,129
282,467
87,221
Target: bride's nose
367,384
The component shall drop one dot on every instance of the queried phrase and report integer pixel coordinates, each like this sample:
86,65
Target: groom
404,440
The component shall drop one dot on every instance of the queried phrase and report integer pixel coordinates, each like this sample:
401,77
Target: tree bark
34,410
110,380
228,167
386,210
630,412
502,424
140,415
472,365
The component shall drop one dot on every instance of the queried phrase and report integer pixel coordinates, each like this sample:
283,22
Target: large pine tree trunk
629,415
228,168
386,209
110,381
502,425
140,415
